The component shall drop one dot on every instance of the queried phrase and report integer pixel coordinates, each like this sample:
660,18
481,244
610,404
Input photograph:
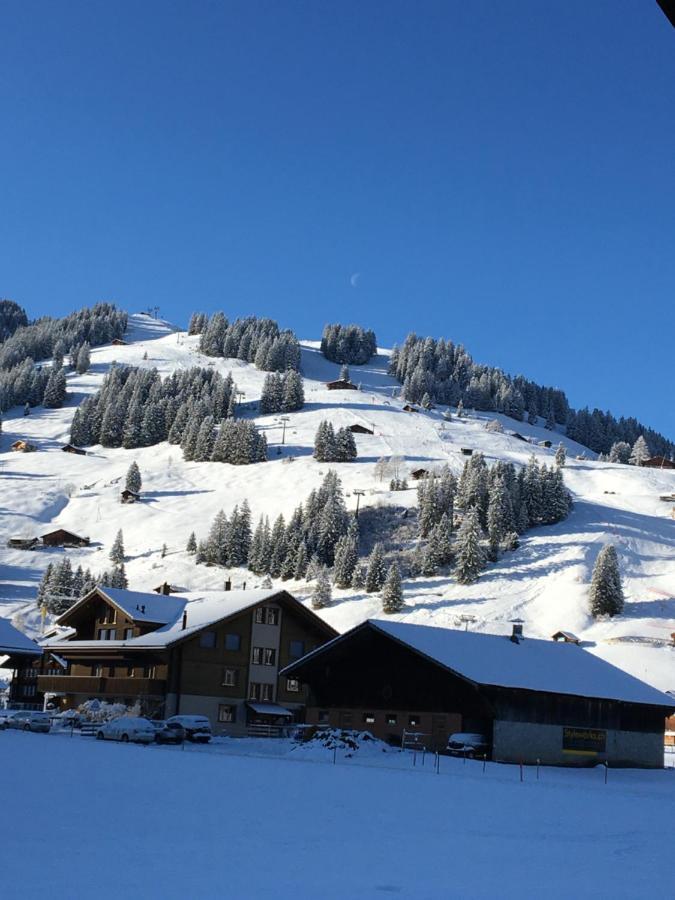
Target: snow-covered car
168,732
127,728
197,728
28,720
464,743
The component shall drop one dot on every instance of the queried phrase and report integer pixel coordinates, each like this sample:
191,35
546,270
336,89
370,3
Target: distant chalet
129,496
418,474
64,538
341,385
410,409
71,448
118,342
360,429
659,462
23,447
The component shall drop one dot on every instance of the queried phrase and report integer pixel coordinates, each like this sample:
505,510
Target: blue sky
502,174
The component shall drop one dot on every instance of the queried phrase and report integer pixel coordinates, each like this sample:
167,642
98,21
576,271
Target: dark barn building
659,462
360,429
20,654
534,700
61,537
341,385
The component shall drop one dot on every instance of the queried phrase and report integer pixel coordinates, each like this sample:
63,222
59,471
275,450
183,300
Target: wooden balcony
101,687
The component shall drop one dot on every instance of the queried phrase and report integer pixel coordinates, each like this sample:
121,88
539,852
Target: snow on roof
531,664
269,709
142,607
13,641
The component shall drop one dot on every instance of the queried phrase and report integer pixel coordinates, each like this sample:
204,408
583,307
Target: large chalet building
218,654
20,656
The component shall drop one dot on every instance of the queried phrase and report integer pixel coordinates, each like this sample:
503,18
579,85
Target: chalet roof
14,642
531,664
202,608
566,635
65,531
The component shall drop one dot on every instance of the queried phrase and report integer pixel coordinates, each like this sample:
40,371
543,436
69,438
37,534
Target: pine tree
392,592
134,481
344,374
117,549
500,516
640,452
191,546
346,557
55,390
468,550
377,573
606,594
301,562
560,455
321,592
83,360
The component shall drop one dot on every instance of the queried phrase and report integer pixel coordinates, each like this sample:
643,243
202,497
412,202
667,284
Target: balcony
101,687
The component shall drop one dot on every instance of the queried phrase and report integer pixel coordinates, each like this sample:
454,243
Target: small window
97,671
272,617
111,671
292,685
414,721
259,615
232,642
266,692
391,718
324,716
230,678
207,640
269,656
369,718
296,649
227,713
256,656
130,671
29,690
260,691
148,671
128,634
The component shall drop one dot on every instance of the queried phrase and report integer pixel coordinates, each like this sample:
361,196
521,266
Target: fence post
484,761
521,770
538,768
414,758
606,768
334,755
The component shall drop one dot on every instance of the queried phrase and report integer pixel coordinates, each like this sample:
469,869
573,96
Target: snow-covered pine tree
345,446
321,591
117,549
640,452
55,391
133,479
301,561
392,591
377,572
469,554
606,594
217,540
278,546
191,545
560,456
346,557
293,397
500,519
620,452
344,374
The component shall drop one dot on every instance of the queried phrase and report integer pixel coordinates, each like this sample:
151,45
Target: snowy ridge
544,583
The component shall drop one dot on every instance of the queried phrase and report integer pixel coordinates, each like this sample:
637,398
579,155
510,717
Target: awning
269,709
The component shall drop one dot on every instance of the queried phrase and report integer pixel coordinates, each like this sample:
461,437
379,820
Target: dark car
468,744
197,728
168,732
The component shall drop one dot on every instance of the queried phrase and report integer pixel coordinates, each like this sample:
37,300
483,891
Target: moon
354,280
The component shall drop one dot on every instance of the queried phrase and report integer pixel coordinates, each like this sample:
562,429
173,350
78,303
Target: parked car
468,744
168,732
197,728
127,728
28,720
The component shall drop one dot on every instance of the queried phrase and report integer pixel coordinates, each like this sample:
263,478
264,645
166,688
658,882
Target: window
107,634
369,718
111,671
207,639
259,615
130,671
391,718
32,673
148,671
414,721
272,617
232,642
108,615
128,634
230,678
29,690
227,713
324,716
296,649
265,615
292,685
263,656
260,691
97,671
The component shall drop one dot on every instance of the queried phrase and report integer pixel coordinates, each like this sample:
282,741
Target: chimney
143,609
517,634
184,619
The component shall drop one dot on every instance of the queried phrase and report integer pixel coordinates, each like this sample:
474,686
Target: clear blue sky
502,174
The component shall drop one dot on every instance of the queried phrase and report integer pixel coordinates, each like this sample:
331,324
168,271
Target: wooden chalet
659,462
20,654
166,589
359,429
71,448
61,537
548,444
565,636
118,342
418,474
129,496
341,385
533,700
410,409
466,451
216,653
23,543
22,446
519,437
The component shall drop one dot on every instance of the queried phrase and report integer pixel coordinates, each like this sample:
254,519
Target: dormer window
108,615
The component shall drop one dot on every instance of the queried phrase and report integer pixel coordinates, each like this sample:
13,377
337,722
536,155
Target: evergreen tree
620,452
344,373
83,360
133,480
377,572
321,592
640,452
191,546
500,519
560,455
55,391
346,557
469,554
392,592
301,561
117,549
606,594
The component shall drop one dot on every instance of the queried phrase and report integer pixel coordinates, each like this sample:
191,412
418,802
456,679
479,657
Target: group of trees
252,339
234,441
447,374
606,594
349,344
334,446
12,316
282,393
622,452
60,586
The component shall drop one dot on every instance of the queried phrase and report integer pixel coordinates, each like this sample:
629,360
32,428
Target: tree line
255,340
350,344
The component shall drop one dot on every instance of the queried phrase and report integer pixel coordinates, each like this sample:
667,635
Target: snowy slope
544,583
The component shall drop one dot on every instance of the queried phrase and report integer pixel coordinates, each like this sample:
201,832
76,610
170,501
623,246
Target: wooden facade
61,537
659,462
360,429
71,448
129,496
341,385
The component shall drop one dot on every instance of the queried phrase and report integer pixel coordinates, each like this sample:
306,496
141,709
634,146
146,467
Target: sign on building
584,740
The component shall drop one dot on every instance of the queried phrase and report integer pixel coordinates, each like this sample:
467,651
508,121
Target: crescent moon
354,280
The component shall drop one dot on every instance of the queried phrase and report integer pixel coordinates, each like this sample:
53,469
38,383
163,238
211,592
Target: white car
27,720
197,728
127,728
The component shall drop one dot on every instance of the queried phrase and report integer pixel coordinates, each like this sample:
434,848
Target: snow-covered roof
13,641
269,709
202,608
530,664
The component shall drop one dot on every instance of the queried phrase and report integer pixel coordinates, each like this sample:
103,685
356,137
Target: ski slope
544,583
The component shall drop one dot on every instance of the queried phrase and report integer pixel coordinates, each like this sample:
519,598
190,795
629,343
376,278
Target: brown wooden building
659,462
341,385
20,654
217,654
71,448
360,429
61,537
129,496
532,699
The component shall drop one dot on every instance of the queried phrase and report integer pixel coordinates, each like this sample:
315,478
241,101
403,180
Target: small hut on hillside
118,342
410,409
22,446
418,474
341,385
659,462
359,429
566,637
71,448
61,537
129,496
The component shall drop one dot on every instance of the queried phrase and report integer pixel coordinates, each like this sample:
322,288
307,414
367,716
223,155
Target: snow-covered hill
544,583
